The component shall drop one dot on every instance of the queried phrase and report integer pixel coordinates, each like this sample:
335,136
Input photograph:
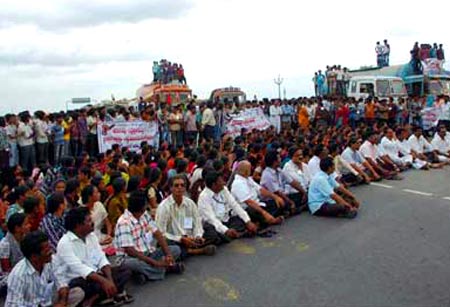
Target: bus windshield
398,88
383,88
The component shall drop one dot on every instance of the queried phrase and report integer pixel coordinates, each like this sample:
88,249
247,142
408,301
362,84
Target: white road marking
381,185
418,192
446,198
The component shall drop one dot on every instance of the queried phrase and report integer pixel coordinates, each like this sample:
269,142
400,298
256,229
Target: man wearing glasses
177,217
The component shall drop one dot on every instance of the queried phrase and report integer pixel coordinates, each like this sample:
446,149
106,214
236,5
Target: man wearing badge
177,217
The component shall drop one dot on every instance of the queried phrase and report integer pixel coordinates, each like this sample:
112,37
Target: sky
55,50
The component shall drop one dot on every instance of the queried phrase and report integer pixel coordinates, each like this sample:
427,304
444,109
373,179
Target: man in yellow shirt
66,125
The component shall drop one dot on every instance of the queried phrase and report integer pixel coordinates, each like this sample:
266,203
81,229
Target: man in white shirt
25,140
373,155
344,172
423,149
86,264
248,194
223,218
275,116
11,133
320,152
405,150
41,131
352,155
441,144
36,280
177,217
390,146
297,176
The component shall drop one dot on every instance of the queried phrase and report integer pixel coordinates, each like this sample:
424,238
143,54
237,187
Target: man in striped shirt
36,281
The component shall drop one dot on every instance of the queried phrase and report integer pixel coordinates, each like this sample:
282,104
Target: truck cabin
228,95
422,85
382,87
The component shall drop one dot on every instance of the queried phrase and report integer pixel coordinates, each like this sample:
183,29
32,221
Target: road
395,253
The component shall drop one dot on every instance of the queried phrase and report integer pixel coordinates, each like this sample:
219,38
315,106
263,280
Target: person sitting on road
10,253
223,218
390,147
53,223
320,152
323,197
405,150
177,217
86,264
344,173
36,280
136,238
248,194
423,149
441,144
297,176
373,154
272,179
352,155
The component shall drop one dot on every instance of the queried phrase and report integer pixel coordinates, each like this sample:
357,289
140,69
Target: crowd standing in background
88,221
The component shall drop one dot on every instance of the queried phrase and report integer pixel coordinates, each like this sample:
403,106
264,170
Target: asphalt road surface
395,253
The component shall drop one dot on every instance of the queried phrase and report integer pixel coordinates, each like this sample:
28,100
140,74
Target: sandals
124,298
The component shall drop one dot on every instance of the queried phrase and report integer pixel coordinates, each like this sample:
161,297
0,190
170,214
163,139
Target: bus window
353,87
383,88
397,88
366,88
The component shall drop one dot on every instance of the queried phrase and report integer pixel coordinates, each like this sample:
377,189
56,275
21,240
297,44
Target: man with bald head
248,194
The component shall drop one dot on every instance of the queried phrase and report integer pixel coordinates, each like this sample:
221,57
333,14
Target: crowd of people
333,82
424,52
77,224
165,72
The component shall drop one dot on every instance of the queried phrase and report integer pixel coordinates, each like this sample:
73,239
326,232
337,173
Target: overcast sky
53,50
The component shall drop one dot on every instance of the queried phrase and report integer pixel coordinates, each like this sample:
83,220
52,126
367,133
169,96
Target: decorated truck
168,85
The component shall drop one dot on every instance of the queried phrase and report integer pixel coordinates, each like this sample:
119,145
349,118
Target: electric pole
278,81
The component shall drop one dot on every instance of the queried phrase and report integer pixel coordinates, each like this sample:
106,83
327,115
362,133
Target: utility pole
278,81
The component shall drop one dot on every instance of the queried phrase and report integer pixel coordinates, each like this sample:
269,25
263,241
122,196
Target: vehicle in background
173,93
430,79
382,87
228,94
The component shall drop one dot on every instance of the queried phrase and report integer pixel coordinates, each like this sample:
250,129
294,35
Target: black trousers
271,207
212,235
332,210
121,274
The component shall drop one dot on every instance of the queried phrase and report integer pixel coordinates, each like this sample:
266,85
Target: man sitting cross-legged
86,264
178,219
323,197
136,237
36,280
248,194
223,218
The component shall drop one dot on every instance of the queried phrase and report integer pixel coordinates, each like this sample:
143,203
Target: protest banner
250,119
429,117
129,134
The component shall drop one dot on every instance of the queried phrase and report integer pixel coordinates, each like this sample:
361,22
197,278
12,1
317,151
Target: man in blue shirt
323,197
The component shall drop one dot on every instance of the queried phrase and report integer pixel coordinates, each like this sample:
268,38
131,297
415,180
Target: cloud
74,58
65,14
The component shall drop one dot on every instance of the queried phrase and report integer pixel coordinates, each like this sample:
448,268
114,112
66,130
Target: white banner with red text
249,119
127,134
